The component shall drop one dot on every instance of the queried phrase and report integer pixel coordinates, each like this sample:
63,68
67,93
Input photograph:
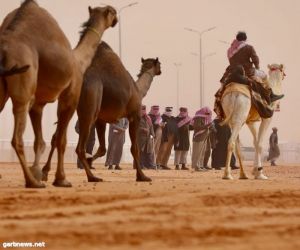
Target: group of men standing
158,134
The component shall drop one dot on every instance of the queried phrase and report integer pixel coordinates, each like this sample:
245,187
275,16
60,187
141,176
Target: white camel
237,108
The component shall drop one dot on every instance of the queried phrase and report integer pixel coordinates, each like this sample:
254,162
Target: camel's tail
3,94
7,72
14,70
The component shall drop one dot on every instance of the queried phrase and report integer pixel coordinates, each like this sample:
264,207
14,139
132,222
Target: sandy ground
178,210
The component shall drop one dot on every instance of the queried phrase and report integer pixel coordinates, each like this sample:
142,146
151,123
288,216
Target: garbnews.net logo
23,244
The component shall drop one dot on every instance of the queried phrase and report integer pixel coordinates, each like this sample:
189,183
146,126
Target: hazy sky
155,28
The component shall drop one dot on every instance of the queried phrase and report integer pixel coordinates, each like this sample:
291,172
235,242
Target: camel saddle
260,107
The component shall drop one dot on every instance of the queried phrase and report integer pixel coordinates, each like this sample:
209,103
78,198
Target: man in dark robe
169,137
242,54
219,151
274,151
183,141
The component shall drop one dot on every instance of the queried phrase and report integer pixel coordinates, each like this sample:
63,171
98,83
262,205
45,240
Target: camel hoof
143,178
227,177
61,183
261,176
36,172
94,179
45,176
35,184
243,177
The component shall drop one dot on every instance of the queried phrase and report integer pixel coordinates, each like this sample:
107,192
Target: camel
38,66
237,108
108,94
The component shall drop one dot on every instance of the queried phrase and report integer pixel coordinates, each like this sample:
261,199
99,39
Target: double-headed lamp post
203,73
177,65
200,33
120,34
119,10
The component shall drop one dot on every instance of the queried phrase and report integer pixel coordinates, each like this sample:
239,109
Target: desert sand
178,210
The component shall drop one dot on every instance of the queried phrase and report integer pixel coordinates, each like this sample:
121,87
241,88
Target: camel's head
151,64
276,75
106,15
276,69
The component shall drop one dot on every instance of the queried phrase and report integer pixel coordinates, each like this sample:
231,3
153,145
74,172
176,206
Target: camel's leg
3,94
39,144
258,170
227,171
101,127
133,128
47,166
88,108
253,131
236,107
84,131
20,113
236,127
61,141
67,104
238,153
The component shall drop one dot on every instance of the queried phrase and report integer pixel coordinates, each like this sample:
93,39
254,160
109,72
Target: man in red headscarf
169,137
183,143
156,119
242,54
202,138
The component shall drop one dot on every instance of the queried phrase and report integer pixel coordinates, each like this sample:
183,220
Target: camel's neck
144,82
275,80
86,48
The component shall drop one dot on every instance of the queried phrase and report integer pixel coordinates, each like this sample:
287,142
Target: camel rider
241,53
262,104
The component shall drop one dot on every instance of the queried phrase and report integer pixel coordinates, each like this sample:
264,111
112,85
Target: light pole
177,65
119,10
203,65
203,72
200,33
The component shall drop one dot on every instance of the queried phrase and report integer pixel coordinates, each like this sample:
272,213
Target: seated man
261,96
242,54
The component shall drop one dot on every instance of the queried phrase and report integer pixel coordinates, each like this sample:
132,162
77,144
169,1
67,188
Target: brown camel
108,94
38,66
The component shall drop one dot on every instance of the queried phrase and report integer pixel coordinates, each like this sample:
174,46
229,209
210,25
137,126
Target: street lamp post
120,33
203,72
177,65
119,10
200,33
